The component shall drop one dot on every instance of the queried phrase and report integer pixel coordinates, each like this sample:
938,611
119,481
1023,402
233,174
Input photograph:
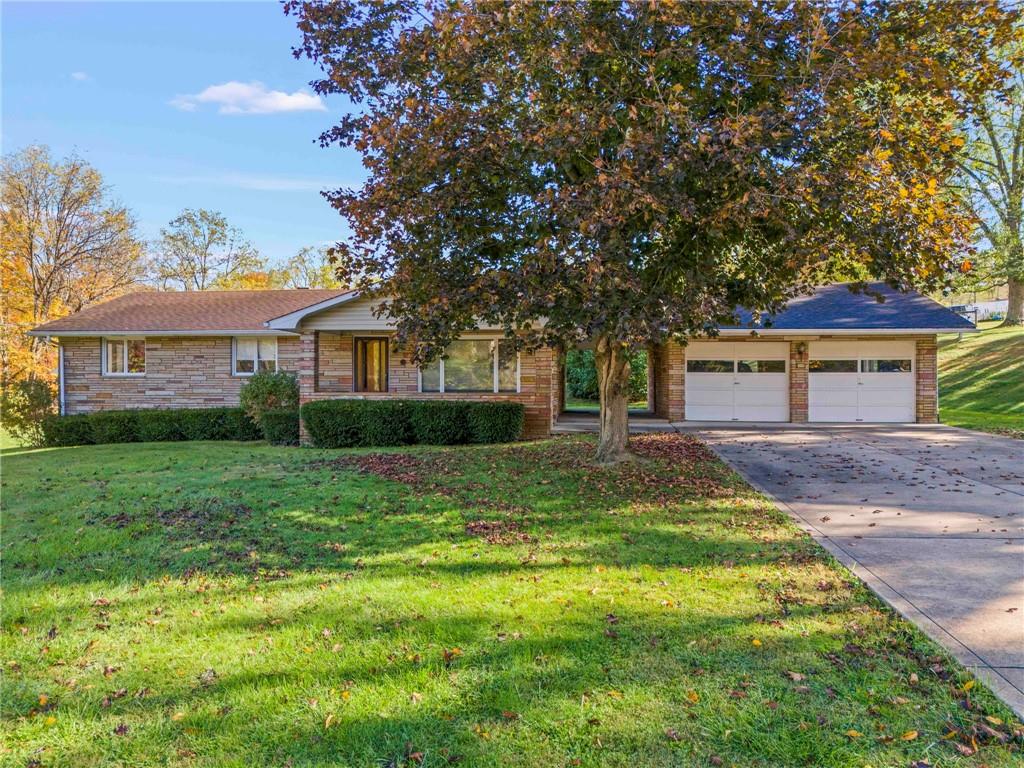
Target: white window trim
105,368
256,362
494,373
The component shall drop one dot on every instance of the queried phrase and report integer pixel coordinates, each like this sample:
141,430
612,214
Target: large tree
992,167
64,244
631,172
199,250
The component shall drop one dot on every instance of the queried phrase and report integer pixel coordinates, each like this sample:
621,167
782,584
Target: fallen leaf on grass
672,734
909,736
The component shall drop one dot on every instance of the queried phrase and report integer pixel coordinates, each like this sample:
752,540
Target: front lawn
981,380
204,604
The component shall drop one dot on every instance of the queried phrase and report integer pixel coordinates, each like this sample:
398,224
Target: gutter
157,332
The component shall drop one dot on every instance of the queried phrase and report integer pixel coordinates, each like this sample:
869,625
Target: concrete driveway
932,518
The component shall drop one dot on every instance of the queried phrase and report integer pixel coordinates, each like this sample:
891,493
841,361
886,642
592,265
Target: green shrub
114,426
24,404
385,422
150,426
59,431
160,426
269,391
334,423
440,422
495,422
281,426
219,424
581,375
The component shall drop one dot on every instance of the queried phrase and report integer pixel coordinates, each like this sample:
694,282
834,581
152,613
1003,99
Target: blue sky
180,105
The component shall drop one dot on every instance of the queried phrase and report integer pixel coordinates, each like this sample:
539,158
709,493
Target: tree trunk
1015,305
613,387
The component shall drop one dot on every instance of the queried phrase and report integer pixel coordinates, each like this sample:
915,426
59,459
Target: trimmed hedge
281,426
60,431
495,422
150,426
348,423
440,422
115,426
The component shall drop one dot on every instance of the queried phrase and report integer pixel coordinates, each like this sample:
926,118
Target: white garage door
737,381
861,381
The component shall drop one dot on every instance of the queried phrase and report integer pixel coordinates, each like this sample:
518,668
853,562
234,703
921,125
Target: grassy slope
981,380
226,604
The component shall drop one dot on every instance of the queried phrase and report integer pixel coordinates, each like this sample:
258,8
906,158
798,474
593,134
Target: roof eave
732,331
292,319
43,332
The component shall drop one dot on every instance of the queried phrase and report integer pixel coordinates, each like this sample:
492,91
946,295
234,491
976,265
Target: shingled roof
837,308
195,312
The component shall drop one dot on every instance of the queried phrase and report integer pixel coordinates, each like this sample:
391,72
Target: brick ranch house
832,356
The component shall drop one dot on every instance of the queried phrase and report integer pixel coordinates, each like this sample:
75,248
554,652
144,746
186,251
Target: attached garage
737,381
861,381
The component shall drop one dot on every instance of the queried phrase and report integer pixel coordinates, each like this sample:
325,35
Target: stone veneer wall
537,372
927,381
798,357
668,368
181,372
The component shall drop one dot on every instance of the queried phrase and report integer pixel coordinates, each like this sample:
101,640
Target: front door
371,365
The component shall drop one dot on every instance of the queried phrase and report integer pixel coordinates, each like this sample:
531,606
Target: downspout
61,408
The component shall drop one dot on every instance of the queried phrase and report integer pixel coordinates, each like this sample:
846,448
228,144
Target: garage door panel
763,412
832,413
733,396
721,395
861,396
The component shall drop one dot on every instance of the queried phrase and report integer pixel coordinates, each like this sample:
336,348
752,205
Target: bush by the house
61,431
440,422
281,426
24,405
347,423
150,426
159,426
385,422
496,422
115,426
334,423
218,424
269,391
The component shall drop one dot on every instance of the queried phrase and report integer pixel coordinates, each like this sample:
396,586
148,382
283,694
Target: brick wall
537,372
669,369
181,372
927,381
798,356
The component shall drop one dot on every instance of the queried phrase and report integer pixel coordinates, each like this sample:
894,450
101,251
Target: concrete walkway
931,518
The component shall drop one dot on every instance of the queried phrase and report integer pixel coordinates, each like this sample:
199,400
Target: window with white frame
253,354
124,357
473,365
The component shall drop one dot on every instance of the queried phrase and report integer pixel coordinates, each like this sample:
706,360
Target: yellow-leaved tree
64,244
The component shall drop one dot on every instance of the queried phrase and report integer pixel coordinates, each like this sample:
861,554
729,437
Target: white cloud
254,98
80,76
253,182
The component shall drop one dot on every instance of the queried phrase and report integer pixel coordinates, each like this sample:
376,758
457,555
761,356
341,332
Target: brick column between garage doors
798,354
926,381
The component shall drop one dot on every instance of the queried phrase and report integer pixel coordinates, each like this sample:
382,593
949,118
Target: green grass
981,380
581,404
8,441
204,604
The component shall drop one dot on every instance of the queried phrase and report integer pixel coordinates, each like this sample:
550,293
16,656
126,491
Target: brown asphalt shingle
155,311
